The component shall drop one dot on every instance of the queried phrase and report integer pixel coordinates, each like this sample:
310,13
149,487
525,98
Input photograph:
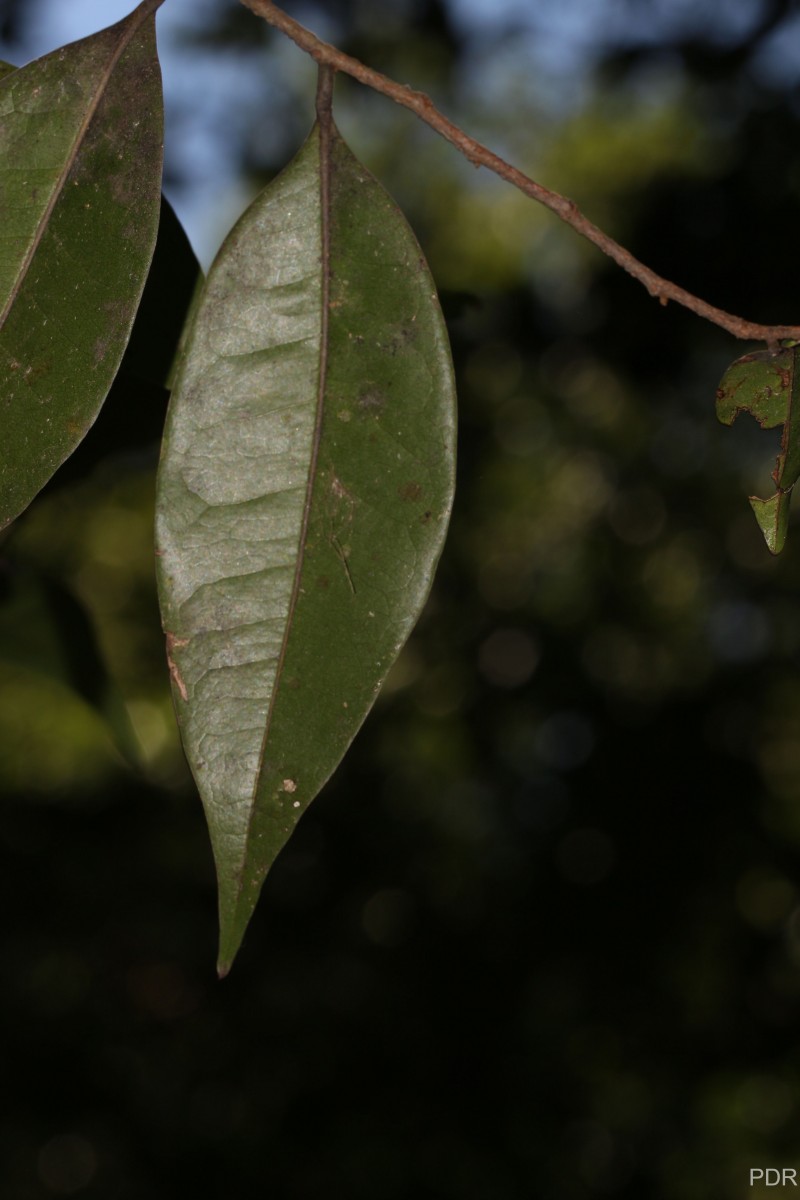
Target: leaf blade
360,467
81,147
766,384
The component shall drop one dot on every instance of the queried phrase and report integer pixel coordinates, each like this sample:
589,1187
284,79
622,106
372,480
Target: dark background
540,936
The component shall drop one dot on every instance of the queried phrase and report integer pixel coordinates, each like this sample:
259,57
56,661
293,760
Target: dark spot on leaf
402,336
425,518
323,582
116,310
410,491
372,400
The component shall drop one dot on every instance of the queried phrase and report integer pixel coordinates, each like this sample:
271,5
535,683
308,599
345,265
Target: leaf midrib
128,27
326,136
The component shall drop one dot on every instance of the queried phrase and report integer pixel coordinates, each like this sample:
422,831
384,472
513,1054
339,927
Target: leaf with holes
80,181
304,491
766,384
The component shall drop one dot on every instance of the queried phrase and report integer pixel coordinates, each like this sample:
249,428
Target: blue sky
214,198
558,37
200,91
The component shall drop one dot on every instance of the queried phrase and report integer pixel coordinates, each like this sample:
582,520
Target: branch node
325,91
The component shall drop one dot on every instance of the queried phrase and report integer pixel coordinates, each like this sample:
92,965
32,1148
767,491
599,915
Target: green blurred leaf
80,178
6,68
45,628
766,385
304,492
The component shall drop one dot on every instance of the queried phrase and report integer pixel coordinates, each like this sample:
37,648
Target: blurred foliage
541,934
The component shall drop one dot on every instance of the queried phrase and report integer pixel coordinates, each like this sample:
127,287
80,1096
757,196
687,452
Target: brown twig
420,104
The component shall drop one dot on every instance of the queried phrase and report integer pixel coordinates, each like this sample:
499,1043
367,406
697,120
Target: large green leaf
304,491
80,179
766,384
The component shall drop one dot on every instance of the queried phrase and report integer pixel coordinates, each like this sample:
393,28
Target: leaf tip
232,925
229,945
773,519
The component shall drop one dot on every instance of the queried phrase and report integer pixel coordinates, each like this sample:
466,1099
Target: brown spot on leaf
172,643
410,491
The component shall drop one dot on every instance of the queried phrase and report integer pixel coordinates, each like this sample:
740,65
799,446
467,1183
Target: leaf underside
80,181
766,384
304,491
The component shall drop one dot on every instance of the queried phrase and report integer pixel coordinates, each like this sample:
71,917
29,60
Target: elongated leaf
80,177
304,490
766,384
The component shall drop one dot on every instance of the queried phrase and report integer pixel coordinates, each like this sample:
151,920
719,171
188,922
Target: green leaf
767,385
6,68
80,179
304,491
130,424
773,519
